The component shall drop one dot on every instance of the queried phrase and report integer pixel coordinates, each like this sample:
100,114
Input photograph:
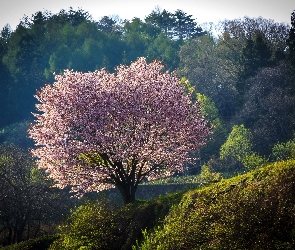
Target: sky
204,11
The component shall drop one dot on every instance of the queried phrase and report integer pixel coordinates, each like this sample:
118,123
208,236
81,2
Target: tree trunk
127,192
9,237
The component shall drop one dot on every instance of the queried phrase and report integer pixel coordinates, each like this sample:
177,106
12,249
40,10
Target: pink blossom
98,129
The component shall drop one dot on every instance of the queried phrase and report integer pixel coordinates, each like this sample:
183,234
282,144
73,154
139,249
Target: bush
253,161
284,151
238,149
100,226
207,176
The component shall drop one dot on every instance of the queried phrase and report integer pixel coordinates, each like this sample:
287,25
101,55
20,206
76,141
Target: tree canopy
99,130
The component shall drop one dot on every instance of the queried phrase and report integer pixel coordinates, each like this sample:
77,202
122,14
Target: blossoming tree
99,130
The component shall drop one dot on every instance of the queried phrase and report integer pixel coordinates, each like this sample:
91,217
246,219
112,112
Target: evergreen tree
256,54
161,19
185,26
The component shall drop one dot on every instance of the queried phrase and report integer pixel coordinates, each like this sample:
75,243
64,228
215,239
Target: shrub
100,226
284,151
208,176
238,149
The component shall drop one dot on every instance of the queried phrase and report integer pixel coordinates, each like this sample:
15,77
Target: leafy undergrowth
251,211
255,210
100,226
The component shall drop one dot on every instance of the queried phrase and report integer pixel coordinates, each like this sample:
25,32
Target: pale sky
12,11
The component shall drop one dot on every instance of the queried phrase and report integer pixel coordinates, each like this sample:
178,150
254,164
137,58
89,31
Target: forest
242,74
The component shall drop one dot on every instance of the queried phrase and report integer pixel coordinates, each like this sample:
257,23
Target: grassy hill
255,210
251,211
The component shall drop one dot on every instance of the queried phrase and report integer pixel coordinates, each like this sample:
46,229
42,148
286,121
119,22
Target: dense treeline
48,43
244,78
247,71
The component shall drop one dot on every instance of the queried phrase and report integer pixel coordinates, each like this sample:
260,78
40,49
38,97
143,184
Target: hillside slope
251,211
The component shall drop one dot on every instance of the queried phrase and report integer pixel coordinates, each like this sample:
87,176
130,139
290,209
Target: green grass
206,176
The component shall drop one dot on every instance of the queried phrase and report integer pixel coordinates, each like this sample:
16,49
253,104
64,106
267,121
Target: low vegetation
249,211
255,210
101,226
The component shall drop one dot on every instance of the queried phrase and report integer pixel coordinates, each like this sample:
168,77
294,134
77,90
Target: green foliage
89,227
284,151
238,143
207,176
252,161
256,54
176,25
101,226
165,50
268,108
291,50
238,146
250,211
210,111
212,67
185,179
